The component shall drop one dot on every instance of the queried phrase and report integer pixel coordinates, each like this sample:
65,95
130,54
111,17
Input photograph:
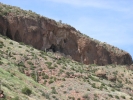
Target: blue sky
109,21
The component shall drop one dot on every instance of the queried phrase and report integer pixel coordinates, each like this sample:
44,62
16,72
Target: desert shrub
45,76
116,97
88,89
72,98
54,78
51,67
67,73
62,86
48,64
21,43
93,78
21,69
43,93
55,65
110,95
11,43
31,49
119,85
113,90
123,97
21,64
51,81
94,85
85,96
4,12
61,71
54,96
1,44
54,90
1,62
19,46
32,67
101,87
26,91
59,62
64,92
63,79
47,96
29,62
45,58
63,67
43,53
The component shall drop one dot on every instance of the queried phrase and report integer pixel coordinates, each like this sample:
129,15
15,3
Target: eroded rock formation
43,33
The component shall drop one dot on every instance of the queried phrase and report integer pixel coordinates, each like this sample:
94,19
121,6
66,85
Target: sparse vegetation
52,71
26,72
26,91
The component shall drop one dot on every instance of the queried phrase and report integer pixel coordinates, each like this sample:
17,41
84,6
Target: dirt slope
52,76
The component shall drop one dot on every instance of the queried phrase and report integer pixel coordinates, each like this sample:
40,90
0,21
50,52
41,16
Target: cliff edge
46,34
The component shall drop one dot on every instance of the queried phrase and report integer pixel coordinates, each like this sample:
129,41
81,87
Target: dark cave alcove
65,40
17,36
8,34
53,48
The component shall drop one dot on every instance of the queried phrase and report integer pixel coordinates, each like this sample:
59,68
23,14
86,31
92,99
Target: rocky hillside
46,34
30,74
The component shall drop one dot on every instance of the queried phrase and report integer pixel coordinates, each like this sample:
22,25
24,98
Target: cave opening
1,31
17,36
53,48
8,34
65,40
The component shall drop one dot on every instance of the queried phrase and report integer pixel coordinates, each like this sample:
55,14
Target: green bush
123,97
19,46
1,44
48,64
116,97
11,43
21,69
45,77
93,78
51,81
1,62
68,74
54,90
85,96
110,95
94,85
21,64
26,91
30,63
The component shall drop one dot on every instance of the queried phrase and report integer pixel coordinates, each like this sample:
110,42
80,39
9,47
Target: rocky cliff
45,34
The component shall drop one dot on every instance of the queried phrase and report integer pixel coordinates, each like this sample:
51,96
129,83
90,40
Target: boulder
101,73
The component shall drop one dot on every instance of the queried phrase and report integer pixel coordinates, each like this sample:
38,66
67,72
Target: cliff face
43,33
